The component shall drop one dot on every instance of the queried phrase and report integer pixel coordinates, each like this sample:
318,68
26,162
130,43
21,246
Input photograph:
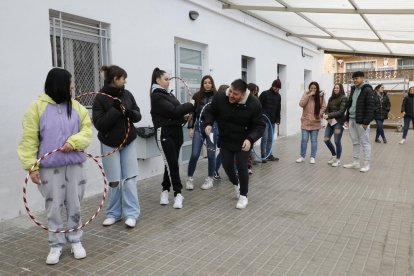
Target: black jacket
237,121
365,105
110,122
206,98
382,106
336,108
408,105
271,105
166,110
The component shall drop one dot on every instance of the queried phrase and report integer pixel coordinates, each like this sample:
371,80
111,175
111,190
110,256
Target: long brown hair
317,98
201,93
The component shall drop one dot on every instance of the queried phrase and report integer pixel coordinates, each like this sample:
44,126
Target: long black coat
382,106
408,105
365,105
271,105
237,122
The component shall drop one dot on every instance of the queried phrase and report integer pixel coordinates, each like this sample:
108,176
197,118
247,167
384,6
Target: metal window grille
80,46
406,63
360,66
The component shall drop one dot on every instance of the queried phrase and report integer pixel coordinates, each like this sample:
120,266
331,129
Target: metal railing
407,74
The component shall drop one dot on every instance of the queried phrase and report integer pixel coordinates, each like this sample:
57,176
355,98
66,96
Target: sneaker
178,201
216,176
264,161
384,140
236,190
78,251
272,158
250,171
109,221
402,142
300,160
242,202
130,222
312,160
377,140
332,160
365,168
164,197
337,163
54,255
208,183
189,184
353,165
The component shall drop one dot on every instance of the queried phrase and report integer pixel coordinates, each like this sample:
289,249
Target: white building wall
143,34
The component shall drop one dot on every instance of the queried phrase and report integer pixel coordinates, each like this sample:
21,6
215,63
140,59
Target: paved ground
302,219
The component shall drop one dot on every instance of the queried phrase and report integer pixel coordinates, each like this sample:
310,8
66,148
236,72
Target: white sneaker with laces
312,160
402,142
54,255
365,168
109,221
300,160
250,171
178,201
78,251
353,165
189,184
164,197
337,163
332,160
242,202
208,183
237,190
130,222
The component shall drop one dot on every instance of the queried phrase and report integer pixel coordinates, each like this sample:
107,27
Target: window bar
62,50
54,43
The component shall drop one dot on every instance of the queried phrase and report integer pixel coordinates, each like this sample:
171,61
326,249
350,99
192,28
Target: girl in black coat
382,107
407,111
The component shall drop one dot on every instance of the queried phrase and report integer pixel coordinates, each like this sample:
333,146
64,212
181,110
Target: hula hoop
201,130
123,111
273,134
187,88
75,228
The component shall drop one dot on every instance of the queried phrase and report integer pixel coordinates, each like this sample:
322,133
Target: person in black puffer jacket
335,114
382,107
121,167
359,114
239,118
407,112
168,116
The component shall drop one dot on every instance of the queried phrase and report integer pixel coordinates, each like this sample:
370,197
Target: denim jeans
199,137
360,138
336,130
267,141
407,120
304,142
380,129
122,167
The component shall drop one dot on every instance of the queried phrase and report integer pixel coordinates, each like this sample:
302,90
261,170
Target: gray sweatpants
360,139
63,187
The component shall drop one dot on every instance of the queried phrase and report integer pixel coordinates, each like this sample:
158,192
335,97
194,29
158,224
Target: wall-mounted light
193,15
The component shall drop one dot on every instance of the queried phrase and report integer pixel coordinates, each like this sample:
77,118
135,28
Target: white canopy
371,27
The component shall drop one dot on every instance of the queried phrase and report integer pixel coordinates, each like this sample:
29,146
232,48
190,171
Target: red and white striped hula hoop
187,88
123,109
75,228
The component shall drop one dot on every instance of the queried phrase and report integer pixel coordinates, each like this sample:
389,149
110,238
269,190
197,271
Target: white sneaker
402,142
312,160
109,221
54,255
300,160
164,197
78,251
130,222
178,201
337,163
353,165
250,171
365,168
189,184
332,160
208,183
242,202
237,190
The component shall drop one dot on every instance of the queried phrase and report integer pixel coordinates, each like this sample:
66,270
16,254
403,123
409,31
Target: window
247,69
360,66
244,68
81,46
405,63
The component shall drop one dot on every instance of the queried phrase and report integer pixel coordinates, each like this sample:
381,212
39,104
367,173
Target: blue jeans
336,130
122,167
380,129
407,120
267,141
198,138
304,142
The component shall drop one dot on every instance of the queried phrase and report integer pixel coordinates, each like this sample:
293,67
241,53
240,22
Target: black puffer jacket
109,121
206,98
336,108
365,105
166,110
408,105
382,106
237,122
271,105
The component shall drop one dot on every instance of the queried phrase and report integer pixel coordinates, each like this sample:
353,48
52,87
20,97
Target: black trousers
228,159
169,141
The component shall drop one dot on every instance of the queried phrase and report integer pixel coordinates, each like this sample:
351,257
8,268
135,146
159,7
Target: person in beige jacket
314,106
